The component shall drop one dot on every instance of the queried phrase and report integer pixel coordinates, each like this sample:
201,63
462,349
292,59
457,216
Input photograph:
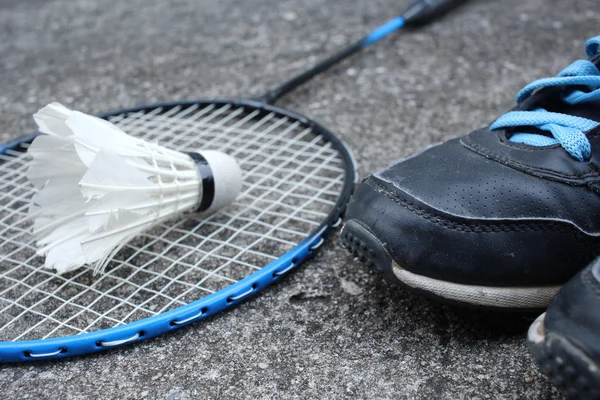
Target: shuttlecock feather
98,187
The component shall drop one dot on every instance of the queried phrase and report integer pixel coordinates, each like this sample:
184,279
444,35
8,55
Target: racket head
37,306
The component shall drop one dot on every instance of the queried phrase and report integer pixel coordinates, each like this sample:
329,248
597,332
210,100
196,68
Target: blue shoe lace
566,130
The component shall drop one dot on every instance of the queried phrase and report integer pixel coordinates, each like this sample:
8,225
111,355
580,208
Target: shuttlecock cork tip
226,180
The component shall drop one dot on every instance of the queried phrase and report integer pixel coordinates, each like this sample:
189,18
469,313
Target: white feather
51,120
98,187
53,157
62,247
101,245
100,178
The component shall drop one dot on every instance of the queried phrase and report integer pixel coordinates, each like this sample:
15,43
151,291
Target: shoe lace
567,130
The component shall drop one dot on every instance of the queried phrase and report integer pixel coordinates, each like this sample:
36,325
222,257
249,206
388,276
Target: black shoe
502,217
565,340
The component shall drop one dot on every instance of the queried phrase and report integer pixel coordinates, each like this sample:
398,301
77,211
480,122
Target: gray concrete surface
333,329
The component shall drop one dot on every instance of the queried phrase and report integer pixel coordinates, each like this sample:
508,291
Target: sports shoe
502,217
565,340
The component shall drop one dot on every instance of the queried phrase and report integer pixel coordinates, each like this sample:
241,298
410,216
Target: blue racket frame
68,346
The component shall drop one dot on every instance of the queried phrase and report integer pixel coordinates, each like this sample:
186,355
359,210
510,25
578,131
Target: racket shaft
419,12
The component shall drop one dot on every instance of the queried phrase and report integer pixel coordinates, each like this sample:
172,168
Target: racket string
234,257
292,179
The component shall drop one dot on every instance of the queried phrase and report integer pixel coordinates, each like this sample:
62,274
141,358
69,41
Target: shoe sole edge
365,246
483,296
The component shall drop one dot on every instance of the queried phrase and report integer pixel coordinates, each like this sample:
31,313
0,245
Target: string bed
292,179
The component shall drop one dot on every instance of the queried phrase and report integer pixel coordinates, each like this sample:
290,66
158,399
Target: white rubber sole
486,296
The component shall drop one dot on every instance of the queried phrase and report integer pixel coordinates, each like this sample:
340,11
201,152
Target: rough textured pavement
333,329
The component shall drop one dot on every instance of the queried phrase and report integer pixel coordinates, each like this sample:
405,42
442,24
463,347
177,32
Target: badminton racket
297,178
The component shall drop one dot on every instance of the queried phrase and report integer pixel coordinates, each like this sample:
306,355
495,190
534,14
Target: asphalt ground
333,329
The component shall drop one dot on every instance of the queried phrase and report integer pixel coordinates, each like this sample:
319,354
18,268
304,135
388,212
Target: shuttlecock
99,187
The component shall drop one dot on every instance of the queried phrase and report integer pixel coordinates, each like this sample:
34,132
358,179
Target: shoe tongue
589,110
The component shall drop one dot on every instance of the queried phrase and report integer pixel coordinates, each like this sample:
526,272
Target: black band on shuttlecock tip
208,181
